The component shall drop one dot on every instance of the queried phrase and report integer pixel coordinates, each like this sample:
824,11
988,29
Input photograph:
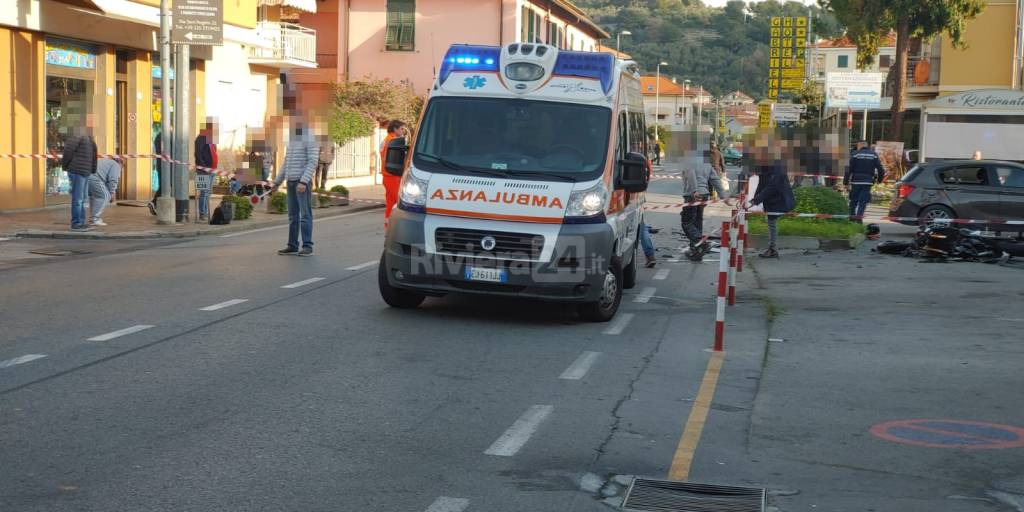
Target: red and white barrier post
723,278
741,241
733,238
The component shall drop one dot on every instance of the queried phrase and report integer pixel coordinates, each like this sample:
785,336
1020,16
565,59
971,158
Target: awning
302,5
84,4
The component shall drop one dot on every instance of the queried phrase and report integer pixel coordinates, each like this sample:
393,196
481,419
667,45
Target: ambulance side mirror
394,156
633,173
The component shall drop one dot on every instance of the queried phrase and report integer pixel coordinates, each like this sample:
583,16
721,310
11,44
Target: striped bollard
741,242
723,276
733,238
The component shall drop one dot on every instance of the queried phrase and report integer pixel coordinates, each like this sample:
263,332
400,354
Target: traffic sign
198,22
854,90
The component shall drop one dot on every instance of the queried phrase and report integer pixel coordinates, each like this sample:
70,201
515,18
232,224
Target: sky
720,3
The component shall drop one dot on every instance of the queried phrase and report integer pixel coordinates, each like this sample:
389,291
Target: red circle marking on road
944,433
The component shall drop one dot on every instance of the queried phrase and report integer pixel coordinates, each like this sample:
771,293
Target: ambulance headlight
413,191
587,203
524,72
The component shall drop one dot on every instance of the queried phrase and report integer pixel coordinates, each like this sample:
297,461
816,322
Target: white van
526,178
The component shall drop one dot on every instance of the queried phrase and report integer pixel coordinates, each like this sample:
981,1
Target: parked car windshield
510,136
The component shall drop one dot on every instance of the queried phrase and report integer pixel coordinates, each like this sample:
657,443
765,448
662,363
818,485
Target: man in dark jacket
79,161
865,169
206,156
775,193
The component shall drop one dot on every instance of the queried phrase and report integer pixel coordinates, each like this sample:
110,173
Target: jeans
645,241
860,196
300,216
773,231
692,220
79,194
99,196
203,198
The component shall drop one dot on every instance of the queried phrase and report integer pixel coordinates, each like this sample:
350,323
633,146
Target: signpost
787,112
860,91
764,114
198,22
787,55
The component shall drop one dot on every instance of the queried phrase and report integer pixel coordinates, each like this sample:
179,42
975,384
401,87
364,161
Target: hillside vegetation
724,49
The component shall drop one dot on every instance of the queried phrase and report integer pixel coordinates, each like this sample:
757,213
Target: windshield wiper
564,177
457,167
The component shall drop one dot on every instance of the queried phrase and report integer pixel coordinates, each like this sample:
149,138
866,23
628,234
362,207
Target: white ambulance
525,178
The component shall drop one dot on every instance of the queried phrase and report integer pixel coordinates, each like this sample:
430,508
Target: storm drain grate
669,496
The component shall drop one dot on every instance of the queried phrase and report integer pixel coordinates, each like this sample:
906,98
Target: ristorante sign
995,99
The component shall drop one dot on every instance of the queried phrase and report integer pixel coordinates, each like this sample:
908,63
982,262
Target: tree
358,106
868,21
812,95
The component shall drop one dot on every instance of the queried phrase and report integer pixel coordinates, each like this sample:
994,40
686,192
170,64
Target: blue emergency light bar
600,66
464,57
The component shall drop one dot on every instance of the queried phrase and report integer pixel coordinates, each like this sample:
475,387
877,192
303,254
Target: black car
961,189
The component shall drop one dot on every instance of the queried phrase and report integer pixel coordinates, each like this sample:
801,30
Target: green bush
243,208
829,229
340,189
278,202
820,200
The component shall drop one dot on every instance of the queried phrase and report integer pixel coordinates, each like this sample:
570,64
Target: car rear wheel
395,297
935,212
604,308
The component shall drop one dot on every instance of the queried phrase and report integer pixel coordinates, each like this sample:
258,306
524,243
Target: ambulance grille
508,246
471,181
525,186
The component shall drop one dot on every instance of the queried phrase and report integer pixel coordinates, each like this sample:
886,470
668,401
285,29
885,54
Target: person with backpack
776,194
79,160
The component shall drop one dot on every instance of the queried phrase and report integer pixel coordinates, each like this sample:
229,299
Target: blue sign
71,55
474,82
862,99
158,73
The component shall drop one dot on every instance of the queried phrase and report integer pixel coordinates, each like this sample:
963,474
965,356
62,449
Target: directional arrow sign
198,22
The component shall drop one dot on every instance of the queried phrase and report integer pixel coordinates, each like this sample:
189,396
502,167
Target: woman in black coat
775,193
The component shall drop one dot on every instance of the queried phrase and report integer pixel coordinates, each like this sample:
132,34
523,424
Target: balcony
923,74
287,45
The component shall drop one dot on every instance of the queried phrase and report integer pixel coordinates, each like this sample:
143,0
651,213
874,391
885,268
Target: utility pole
657,98
700,106
165,203
181,131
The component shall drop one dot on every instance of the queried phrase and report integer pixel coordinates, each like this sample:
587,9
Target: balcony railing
286,43
924,78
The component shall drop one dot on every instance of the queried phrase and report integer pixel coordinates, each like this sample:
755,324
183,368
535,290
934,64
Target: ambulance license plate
491,275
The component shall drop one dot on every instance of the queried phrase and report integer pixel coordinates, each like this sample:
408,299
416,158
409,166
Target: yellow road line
683,458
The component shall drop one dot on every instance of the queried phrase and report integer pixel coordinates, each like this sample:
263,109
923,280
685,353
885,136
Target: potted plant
340,194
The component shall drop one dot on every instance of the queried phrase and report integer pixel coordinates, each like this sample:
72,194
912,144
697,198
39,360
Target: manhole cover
669,496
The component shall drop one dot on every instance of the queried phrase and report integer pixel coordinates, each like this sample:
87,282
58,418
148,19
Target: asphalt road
212,374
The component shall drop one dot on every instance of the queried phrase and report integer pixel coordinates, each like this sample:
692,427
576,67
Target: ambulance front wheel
604,308
395,297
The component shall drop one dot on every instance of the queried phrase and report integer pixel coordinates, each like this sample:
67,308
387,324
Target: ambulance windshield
513,137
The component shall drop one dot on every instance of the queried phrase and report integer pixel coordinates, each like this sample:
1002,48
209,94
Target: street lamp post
700,105
657,98
618,40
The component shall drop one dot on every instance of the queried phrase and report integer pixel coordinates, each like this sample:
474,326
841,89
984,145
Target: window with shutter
401,26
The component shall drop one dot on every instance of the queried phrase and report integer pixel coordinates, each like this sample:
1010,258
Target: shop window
401,26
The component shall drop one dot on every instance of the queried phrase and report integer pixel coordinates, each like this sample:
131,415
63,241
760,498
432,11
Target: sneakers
98,222
651,262
81,227
203,218
305,251
152,207
288,251
769,253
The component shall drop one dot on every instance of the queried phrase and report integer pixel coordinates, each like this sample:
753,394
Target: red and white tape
893,219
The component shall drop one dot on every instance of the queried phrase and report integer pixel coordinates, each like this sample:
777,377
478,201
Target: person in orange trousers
396,129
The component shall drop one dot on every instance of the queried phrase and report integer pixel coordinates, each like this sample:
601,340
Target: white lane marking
662,274
361,266
123,332
579,368
225,304
268,228
1011,319
645,295
304,283
446,504
619,325
21,360
519,433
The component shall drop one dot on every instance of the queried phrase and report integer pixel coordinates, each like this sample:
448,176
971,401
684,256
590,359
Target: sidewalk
132,220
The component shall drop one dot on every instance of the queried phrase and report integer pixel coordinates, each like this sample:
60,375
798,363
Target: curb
190,233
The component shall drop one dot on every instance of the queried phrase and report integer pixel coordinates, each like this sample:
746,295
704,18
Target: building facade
74,62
